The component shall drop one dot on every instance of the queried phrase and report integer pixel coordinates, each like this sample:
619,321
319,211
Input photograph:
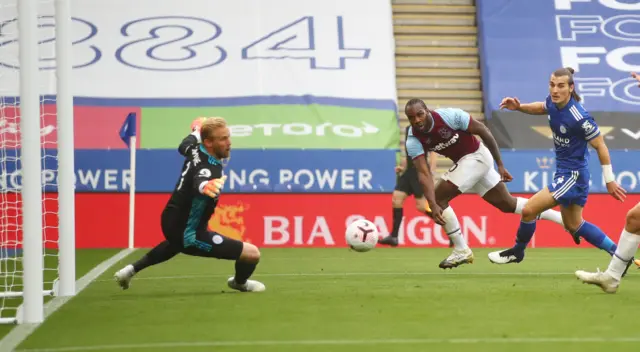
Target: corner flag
128,128
128,136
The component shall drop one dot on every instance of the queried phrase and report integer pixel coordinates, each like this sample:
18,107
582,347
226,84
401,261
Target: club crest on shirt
444,132
563,129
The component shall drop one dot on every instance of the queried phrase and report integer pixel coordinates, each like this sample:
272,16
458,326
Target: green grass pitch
390,299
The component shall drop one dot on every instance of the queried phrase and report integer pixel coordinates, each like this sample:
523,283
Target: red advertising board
319,220
94,127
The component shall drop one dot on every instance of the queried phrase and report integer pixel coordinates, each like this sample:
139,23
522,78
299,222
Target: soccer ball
362,235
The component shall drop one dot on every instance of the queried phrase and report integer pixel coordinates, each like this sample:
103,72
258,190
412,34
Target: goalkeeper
186,215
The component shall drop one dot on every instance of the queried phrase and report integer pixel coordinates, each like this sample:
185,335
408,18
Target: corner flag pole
128,135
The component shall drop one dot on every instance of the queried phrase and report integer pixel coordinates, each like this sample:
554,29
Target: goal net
30,196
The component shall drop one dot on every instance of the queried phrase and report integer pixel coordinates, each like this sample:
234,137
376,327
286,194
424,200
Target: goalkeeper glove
213,187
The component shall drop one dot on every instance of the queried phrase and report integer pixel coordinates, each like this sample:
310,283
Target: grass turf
390,299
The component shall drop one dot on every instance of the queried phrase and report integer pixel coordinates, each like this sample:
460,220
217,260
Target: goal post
66,151
30,157
37,178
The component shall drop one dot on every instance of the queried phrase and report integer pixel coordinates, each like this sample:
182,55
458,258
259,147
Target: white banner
203,48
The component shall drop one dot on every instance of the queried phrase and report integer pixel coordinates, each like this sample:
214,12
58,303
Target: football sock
158,254
520,202
550,214
592,234
628,245
244,271
525,233
397,220
452,228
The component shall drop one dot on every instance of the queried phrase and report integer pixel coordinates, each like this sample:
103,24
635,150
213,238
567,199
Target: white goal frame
32,308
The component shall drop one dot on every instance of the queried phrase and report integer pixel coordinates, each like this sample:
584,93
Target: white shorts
474,173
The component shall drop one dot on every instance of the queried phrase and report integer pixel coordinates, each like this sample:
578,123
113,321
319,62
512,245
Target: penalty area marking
506,340
20,333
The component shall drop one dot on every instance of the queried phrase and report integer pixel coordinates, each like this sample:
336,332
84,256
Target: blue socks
525,233
592,234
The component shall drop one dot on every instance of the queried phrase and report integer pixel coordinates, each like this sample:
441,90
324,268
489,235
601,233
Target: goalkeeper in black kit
194,199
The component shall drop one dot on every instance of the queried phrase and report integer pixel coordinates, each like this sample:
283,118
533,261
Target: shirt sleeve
188,144
414,147
589,128
547,103
457,119
203,174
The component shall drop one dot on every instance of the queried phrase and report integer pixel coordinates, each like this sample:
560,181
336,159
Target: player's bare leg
397,203
160,253
461,254
609,280
541,201
572,218
245,265
500,197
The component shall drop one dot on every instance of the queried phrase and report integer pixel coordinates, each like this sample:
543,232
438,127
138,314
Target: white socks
627,246
520,202
549,214
452,228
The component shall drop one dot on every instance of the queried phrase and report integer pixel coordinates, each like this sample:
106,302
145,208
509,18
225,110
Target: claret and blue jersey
448,135
572,128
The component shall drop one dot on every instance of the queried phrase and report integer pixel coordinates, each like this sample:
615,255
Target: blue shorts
570,187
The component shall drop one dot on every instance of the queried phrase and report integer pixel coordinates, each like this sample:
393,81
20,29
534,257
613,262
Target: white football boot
606,282
456,258
249,286
123,276
506,256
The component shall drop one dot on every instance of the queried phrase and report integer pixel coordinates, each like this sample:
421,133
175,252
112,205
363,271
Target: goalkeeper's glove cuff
213,187
196,133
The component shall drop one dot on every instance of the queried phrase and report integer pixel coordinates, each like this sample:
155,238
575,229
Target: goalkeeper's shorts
202,243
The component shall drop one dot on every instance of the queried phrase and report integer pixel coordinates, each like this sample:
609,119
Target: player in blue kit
573,129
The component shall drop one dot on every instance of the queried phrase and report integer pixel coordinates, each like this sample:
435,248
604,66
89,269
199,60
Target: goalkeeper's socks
592,234
158,254
243,271
524,235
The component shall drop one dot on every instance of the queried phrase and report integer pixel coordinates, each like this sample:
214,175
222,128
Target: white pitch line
18,334
188,277
507,340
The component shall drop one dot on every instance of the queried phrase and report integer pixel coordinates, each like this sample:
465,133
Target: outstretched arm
536,108
481,130
208,180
